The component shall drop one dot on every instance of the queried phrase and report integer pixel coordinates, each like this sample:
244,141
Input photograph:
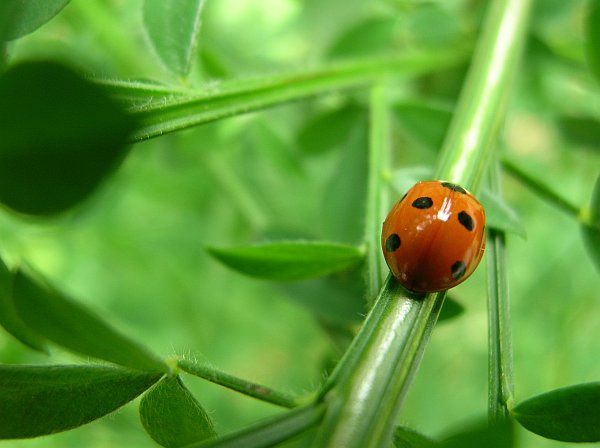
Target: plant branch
500,372
175,112
245,387
367,388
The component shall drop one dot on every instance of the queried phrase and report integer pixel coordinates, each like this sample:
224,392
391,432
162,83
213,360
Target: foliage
147,152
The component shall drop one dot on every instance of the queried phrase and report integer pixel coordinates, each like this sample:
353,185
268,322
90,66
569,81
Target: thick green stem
365,392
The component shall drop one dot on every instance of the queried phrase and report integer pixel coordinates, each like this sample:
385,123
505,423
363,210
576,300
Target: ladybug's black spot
392,243
454,187
458,269
422,202
465,219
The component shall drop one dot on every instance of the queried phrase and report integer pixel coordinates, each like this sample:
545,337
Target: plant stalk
365,392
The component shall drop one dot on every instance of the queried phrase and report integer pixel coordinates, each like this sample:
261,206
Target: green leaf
482,435
592,37
581,131
39,400
500,216
172,416
345,197
270,431
373,35
408,438
70,325
18,17
426,123
60,137
591,227
173,31
328,130
570,414
171,113
450,309
9,319
288,261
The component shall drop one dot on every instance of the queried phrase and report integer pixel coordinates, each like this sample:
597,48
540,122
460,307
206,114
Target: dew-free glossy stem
365,392
482,105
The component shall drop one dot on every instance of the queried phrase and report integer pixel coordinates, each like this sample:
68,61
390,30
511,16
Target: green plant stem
245,387
500,372
540,188
377,201
172,113
365,391
480,112
269,432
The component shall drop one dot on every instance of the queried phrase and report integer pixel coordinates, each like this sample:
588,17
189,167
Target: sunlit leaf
72,326
18,17
9,319
287,261
39,400
172,416
408,438
61,136
173,30
570,414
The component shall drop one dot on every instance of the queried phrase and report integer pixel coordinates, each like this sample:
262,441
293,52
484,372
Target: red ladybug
434,237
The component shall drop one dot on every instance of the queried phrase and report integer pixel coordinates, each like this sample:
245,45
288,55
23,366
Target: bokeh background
135,252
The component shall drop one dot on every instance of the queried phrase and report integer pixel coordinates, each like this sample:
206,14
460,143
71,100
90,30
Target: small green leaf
39,400
591,229
409,438
592,37
372,36
173,30
581,131
172,416
427,123
18,17
345,197
500,216
482,435
270,431
9,319
70,325
569,414
288,261
329,130
451,309
61,135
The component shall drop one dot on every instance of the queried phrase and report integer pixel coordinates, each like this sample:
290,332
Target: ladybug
434,237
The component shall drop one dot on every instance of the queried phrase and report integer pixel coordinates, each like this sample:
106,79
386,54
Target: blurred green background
135,251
